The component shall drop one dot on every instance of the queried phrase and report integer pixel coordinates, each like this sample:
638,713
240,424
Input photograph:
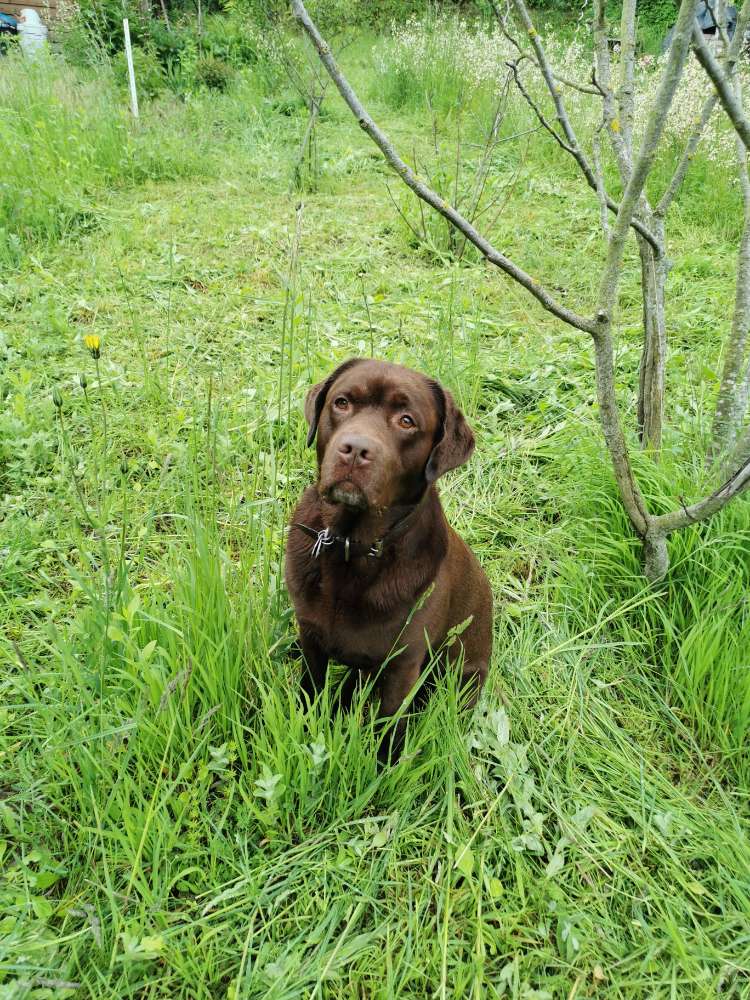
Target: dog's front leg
396,682
314,665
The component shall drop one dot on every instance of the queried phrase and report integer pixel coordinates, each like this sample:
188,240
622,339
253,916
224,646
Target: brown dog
369,538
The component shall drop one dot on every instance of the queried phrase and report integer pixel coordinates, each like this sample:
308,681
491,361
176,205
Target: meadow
173,822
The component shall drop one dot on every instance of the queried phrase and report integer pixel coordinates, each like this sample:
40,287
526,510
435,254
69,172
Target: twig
681,498
513,67
483,171
687,155
502,21
316,101
55,984
419,238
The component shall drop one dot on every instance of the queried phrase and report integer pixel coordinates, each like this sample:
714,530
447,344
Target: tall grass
173,822
65,139
442,61
694,629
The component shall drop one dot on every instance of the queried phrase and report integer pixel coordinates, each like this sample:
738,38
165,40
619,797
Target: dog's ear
454,440
316,398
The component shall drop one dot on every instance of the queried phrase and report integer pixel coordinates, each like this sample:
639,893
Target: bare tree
634,162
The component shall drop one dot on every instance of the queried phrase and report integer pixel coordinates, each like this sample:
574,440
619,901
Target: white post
131,71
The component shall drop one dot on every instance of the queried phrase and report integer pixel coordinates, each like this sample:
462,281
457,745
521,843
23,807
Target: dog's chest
353,627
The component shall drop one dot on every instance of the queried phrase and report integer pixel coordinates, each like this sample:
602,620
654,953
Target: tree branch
731,402
630,494
602,194
581,87
721,80
626,93
720,20
554,91
687,155
571,144
678,54
513,67
425,193
602,81
736,484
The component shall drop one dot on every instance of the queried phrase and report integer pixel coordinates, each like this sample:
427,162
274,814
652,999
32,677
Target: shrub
442,59
216,74
235,39
149,74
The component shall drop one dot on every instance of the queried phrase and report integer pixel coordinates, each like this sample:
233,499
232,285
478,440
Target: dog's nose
356,449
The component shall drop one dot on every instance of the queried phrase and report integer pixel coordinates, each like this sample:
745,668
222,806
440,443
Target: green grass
173,824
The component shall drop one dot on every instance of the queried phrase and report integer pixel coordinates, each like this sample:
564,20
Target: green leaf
42,907
584,816
465,861
45,879
133,605
147,650
380,839
269,785
495,888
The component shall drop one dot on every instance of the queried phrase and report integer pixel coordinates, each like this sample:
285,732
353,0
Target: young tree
731,439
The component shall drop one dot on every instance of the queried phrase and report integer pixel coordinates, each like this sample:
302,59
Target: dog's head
384,434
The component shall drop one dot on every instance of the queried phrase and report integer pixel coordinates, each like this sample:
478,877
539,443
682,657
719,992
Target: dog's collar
351,548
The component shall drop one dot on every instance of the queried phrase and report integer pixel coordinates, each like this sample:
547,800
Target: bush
332,16
235,39
442,60
216,74
149,74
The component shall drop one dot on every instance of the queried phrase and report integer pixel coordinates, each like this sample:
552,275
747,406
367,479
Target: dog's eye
406,421
341,403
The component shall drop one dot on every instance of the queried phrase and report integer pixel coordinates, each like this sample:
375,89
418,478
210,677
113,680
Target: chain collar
353,549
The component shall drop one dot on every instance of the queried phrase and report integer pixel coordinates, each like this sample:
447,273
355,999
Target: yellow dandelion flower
93,343
616,125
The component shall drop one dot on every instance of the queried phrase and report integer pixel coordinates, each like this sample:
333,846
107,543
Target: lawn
173,823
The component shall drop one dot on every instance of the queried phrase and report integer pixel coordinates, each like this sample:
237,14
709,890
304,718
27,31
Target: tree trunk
741,453
655,556
731,403
653,357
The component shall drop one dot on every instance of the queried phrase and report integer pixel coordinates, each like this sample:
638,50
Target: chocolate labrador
370,537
